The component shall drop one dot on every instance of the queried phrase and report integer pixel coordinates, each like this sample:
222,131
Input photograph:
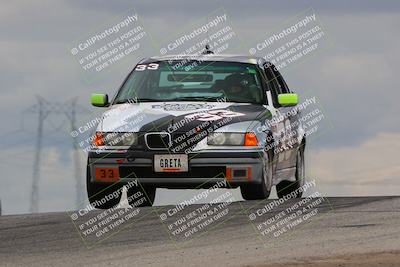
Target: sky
355,80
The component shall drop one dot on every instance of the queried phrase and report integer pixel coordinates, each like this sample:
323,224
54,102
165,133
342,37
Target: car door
291,123
278,121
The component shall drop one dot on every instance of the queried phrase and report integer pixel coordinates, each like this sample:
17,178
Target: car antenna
207,50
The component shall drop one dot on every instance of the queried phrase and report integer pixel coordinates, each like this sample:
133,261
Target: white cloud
371,168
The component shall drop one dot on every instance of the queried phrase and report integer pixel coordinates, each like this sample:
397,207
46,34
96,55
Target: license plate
171,163
107,174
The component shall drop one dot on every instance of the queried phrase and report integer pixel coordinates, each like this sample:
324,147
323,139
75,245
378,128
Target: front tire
97,193
263,190
285,187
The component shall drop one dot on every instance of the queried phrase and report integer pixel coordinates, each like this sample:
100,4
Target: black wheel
260,191
102,196
285,187
149,194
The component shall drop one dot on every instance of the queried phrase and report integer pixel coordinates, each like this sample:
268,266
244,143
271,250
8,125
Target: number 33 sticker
151,66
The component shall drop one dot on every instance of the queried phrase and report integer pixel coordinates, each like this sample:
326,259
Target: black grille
194,172
158,140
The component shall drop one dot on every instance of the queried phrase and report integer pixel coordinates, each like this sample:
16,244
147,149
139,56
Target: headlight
115,139
232,139
226,139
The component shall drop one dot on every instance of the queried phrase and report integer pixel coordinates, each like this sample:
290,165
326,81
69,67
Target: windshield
192,81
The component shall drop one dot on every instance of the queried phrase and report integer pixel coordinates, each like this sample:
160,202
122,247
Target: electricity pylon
44,109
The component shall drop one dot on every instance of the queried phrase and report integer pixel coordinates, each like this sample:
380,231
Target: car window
193,81
273,85
281,82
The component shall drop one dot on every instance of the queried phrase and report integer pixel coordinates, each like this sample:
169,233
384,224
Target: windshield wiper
207,98
137,100
195,98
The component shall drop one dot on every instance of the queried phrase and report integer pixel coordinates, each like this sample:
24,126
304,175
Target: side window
273,85
281,82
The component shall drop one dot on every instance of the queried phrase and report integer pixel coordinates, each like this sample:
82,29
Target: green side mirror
99,100
288,100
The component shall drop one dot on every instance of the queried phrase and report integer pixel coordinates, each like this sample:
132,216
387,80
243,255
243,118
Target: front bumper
205,168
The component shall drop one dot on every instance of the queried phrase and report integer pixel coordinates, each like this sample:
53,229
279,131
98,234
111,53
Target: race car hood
177,116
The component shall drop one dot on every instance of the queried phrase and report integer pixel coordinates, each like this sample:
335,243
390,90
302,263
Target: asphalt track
356,231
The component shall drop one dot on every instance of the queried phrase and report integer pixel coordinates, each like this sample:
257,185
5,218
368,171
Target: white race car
193,122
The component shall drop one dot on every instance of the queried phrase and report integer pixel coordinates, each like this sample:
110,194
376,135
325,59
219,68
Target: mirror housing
288,100
99,100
